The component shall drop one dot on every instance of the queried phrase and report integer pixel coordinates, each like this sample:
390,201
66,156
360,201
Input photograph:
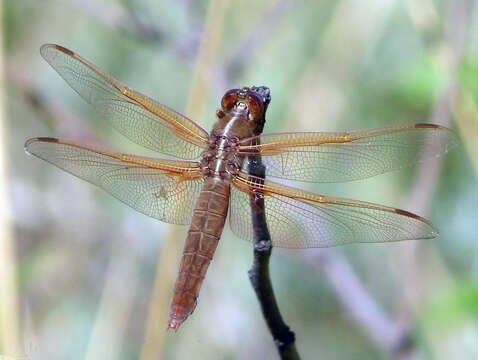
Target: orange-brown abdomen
206,228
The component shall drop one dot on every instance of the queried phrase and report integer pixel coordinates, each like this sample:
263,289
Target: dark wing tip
426,126
432,233
407,213
46,47
452,139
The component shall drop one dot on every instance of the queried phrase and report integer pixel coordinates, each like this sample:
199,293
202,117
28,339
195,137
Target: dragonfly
210,180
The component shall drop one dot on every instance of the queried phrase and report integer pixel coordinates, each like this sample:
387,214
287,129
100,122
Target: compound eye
255,106
229,99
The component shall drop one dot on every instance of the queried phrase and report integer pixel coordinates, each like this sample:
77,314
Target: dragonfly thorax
220,159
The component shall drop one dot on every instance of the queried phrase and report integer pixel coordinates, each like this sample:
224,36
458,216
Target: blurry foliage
468,74
404,96
67,231
452,308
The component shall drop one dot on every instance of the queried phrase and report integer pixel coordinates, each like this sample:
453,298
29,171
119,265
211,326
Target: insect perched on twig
211,181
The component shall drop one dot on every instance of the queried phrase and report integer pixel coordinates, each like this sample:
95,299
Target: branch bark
259,275
284,338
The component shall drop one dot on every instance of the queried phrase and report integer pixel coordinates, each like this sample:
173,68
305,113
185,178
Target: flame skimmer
211,181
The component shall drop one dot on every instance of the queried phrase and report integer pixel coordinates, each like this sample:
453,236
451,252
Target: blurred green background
93,279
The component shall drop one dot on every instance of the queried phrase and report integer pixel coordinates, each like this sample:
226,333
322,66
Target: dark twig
259,276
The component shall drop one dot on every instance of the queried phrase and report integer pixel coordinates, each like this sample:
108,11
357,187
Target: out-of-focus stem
115,307
170,254
465,111
9,314
322,93
428,172
359,303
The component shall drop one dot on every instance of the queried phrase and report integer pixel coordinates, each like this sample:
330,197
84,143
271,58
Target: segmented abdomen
201,242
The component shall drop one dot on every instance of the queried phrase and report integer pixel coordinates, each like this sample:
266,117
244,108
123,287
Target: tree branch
259,276
284,338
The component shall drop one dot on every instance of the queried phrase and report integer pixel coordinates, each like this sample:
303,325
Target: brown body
203,236
220,161
168,189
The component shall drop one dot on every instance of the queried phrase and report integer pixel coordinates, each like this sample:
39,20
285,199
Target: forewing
163,189
141,119
341,157
300,219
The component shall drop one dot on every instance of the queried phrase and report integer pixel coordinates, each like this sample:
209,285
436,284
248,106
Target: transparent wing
163,189
300,219
141,119
347,156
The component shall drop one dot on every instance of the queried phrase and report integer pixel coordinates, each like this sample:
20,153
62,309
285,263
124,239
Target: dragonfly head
251,103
